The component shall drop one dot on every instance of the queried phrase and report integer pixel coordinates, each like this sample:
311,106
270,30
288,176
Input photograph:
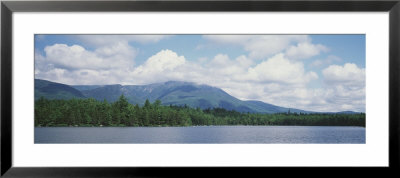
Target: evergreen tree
90,112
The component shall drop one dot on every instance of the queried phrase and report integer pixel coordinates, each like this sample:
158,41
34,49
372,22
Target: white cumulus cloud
348,74
259,46
319,63
163,61
346,84
304,50
279,69
77,57
76,65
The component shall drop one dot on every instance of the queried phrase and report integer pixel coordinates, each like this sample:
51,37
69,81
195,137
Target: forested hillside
91,112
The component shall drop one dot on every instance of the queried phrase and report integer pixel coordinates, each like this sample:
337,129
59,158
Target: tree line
91,112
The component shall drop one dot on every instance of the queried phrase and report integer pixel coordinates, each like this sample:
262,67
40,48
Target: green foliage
90,112
52,90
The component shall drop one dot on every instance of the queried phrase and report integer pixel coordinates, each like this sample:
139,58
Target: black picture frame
8,7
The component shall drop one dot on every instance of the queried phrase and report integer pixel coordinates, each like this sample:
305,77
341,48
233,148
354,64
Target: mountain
86,87
170,93
272,108
52,90
179,93
341,112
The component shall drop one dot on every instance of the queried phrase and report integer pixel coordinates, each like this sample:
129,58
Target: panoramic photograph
199,89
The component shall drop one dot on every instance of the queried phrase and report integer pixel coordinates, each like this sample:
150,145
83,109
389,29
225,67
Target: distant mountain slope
341,112
272,108
170,93
182,93
111,93
86,87
52,90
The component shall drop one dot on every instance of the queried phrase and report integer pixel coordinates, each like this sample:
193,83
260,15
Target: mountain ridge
53,90
170,93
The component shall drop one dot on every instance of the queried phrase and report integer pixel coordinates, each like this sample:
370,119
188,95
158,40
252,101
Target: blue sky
312,72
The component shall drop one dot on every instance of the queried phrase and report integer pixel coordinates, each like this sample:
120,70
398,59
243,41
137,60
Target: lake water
201,134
